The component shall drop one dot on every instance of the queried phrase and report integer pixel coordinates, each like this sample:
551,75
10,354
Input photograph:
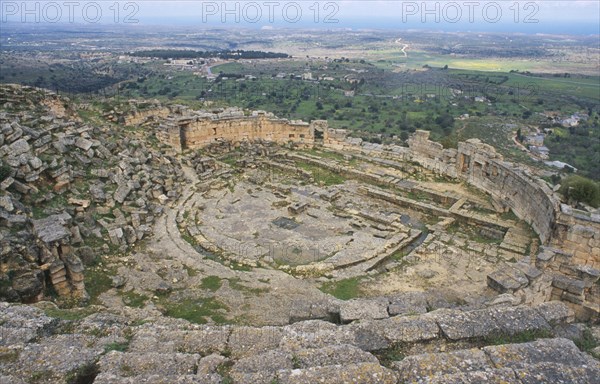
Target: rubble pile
69,191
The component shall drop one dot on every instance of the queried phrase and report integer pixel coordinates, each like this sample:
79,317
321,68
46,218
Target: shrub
581,189
5,171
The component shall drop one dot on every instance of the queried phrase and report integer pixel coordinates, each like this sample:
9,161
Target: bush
5,171
581,189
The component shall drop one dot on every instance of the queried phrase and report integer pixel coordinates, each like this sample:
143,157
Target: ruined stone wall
432,155
532,201
480,165
140,117
578,232
198,132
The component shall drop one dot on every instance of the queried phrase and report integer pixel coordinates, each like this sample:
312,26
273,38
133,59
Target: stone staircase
441,346
514,244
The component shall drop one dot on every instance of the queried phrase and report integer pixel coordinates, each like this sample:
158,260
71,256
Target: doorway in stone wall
319,136
183,136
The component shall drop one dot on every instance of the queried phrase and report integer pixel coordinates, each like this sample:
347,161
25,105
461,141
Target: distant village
534,142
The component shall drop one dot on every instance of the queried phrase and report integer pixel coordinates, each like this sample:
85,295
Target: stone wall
579,233
573,234
478,164
140,117
190,132
432,155
529,198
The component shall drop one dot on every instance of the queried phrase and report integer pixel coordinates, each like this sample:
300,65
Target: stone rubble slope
70,190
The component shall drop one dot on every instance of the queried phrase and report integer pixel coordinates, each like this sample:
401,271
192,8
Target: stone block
358,309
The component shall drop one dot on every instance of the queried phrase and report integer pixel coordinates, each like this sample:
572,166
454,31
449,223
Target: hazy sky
577,17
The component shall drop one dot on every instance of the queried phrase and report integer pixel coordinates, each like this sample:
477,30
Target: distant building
570,122
534,140
542,152
351,79
559,165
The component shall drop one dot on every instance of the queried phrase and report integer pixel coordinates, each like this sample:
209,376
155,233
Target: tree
581,189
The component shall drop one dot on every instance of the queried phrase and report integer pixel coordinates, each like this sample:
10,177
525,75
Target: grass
324,154
69,314
472,233
212,283
345,289
189,239
587,342
521,337
509,216
197,311
399,255
390,355
231,158
116,346
97,282
322,176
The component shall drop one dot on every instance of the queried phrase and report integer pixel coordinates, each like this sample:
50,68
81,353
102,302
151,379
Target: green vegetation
195,310
5,170
472,232
97,281
212,283
580,189
521,337
321,175
69,313
345,289
586,342
116,346
390,355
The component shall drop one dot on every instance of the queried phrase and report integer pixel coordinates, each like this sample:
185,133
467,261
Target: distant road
403,48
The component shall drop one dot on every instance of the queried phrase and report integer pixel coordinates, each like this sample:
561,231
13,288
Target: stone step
204,341
149,363
508,255
513,247
545,360
514,241
266,367
109,378
364,373
367,332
